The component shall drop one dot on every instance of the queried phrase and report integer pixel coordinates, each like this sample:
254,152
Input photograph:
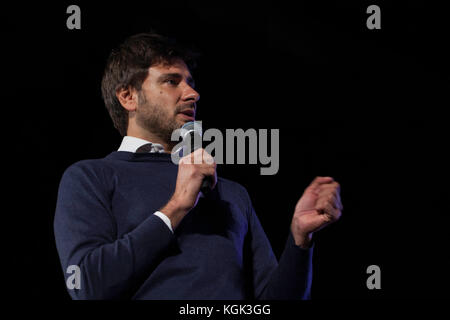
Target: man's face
167,99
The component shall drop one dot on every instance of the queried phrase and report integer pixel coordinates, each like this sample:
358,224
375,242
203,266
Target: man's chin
180,123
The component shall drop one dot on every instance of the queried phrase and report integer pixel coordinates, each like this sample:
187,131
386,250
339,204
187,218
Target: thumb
307,201
315,221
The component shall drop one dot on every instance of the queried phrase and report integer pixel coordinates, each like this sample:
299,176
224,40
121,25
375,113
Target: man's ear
128,98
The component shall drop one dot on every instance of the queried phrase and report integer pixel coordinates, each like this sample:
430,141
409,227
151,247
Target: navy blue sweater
104,224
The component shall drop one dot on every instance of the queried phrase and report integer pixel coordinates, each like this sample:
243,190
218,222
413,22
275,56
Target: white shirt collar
131,144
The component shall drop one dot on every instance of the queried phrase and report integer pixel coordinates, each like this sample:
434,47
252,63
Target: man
136,226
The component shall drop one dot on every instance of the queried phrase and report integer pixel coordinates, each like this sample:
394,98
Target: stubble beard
157,120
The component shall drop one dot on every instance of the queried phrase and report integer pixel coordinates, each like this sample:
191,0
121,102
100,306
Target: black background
367,107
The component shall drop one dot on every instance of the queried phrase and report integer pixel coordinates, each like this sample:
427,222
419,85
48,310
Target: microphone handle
206,185
207,181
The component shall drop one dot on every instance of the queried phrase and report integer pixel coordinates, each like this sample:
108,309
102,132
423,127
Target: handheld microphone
192,137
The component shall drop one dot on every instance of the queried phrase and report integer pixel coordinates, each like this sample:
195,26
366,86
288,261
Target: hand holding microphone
192,138
196,172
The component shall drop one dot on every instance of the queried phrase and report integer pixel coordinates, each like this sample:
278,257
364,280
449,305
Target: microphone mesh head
191,133
190,126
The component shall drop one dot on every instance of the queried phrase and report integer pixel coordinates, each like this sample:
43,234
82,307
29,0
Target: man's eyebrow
178,76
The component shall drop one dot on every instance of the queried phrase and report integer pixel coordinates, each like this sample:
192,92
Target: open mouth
188,113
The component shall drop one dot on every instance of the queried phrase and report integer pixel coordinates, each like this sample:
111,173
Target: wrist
303,241
174,212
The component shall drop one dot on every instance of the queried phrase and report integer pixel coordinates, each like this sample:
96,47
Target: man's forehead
164,68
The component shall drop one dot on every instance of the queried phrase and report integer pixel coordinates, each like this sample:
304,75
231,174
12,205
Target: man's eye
171,82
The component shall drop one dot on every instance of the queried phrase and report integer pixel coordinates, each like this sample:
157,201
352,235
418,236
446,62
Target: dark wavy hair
127,66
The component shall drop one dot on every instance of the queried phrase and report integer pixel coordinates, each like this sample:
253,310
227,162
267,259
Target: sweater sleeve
288,279
85,234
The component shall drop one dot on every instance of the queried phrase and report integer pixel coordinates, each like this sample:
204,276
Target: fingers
318,181
329,208
332,193
199,156
203,161
329,201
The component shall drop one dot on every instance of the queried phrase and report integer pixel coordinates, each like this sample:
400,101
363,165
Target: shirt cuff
165,219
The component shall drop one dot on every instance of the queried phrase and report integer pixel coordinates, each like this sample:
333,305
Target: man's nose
190,94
